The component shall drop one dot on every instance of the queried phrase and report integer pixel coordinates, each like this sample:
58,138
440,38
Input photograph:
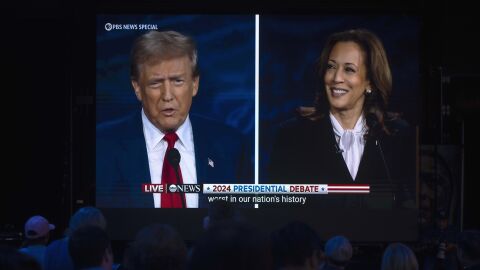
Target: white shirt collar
359,128
153,135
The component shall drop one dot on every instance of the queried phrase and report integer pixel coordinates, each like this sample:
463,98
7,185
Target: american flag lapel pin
211,163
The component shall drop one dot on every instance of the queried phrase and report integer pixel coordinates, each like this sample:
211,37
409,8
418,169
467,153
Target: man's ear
196,82
137,89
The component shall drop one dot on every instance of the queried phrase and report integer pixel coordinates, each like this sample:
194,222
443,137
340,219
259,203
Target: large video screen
284,117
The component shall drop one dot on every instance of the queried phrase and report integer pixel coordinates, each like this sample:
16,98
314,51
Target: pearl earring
369,91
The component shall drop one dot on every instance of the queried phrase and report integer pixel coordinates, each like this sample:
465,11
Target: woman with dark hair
348,137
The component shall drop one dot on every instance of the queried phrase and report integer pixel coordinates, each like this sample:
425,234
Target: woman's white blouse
351,142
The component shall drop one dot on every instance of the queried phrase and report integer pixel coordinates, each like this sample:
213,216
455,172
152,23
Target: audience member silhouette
12,259
157,246
231,245
90,248
37,235
398,256
57,256
338,252
296,246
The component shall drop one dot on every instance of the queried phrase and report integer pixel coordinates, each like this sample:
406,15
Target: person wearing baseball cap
37,235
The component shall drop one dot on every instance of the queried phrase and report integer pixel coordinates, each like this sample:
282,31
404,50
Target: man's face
165,89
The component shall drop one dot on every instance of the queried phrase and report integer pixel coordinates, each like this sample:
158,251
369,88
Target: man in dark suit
134,150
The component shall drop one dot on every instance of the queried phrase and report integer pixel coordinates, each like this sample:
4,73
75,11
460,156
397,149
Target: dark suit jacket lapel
133,162
333,161
366,162
201,144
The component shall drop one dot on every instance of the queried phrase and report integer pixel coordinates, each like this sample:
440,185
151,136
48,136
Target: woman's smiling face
346,77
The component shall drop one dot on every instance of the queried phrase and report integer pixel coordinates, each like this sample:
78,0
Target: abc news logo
171,188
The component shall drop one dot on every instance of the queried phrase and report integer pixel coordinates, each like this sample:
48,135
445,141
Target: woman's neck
347,119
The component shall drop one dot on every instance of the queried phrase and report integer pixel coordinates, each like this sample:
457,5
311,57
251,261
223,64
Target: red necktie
171,200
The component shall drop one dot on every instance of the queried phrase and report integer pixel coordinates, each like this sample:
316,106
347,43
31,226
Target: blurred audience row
228,243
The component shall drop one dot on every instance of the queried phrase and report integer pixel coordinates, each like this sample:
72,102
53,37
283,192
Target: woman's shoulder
300,124
398,126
